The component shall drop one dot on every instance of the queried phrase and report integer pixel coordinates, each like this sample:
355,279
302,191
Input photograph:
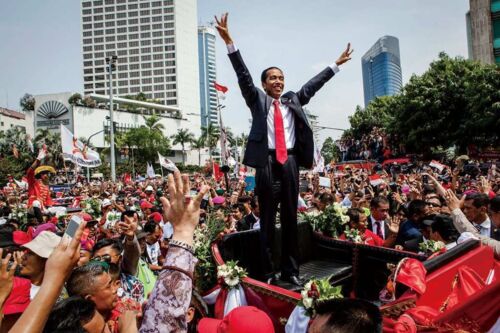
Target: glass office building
206,60
381,67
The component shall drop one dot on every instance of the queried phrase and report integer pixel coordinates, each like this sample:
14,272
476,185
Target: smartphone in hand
73,225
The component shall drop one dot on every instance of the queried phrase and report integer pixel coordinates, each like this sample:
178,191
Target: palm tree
211,135
183,137
240,141
198,144
153,123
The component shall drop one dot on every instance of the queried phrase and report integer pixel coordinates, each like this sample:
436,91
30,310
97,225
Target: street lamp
111,61
88,143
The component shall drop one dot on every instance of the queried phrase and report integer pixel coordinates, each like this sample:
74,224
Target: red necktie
379,230
279,134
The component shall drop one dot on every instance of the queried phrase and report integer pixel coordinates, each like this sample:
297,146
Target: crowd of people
128,264
377,145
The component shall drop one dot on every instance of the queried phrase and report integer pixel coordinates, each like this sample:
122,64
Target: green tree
153,123
379,113
27,102
330,151
182,137
211,135
75,99
198,144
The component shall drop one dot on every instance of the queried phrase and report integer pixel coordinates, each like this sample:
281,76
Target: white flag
166,163
77,152
319,162
150,171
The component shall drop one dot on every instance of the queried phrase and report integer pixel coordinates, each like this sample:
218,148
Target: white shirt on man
485,227
374,227
286,114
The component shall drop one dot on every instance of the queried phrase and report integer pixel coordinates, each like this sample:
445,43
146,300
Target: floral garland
330,222
353,235
230,274
20,213
204,236
316,291
92,207
431,246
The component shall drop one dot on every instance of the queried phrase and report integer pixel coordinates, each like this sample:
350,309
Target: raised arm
312,86
245,81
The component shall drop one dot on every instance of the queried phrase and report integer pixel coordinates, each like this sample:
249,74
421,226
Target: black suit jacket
256,152
246,223
386,226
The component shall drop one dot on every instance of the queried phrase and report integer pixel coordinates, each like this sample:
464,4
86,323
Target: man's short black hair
81,280
347,315
70,315
105,242
377,200
150,227
263,76
416,206
443,225
478,199
495,204
255,202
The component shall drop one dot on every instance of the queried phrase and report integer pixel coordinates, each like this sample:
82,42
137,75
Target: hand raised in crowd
484,185
223,29
6,276
127,323
64,258
129,226
182,212
394,223
452,200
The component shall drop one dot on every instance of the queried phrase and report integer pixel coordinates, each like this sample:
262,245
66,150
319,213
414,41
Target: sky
41,46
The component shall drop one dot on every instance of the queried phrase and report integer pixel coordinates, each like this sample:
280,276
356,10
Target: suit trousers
278,184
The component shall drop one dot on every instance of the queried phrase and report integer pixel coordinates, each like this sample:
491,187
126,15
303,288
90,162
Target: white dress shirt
286,113
485,227
374,227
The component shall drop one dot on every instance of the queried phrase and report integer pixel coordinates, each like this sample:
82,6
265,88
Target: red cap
244,319
146,205
20,237
156,217
87,217
19,298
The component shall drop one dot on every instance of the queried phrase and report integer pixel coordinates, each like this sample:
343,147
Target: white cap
149,188
106,203
44,244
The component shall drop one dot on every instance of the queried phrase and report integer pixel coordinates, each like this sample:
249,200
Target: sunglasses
432,204
104,258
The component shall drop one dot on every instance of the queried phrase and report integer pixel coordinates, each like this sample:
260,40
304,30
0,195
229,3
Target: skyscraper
206,60
155,42
381,67
483,31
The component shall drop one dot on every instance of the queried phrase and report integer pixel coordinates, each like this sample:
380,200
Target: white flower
344,210
232,281
303,293
345,218
308,302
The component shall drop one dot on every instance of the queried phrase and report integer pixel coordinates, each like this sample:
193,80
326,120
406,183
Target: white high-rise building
156,45
208,94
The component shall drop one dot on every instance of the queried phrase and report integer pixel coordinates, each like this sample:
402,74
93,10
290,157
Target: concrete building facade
483,31
206,60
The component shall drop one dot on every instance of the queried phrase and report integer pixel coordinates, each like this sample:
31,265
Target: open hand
223,29
345,56
183,212
452,200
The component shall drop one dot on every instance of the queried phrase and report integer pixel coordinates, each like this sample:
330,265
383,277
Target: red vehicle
362,271
356,164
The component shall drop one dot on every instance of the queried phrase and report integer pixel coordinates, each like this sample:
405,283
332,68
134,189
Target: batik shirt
169,301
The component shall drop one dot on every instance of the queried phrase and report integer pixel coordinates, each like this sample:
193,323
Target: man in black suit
280,141
251,220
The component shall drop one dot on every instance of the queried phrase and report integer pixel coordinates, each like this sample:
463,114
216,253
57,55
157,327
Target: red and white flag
437,165
376,180
166,163
221,90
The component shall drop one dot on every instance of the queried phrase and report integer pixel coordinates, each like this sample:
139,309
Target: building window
170,48
145,35
169,25
87,56
133,21
88,71
146,50
160,87
88,86
122,91
122,83
169,33
171,94
110,16
157,19
147,88
133,59
159,79
170,71
145,12
146,57
133,36
87,48
135,82
156,11
171,86
110,31
87,26
168,10
135,90
87,41
145,27
158,42
168,2
98,3
122,45
145,42
169,40
170,63
170,78
146,73
145,5
157,33
171,102
146,65
134,74
158,95
121,7
170,55
98,17
132,6
86,4
99,32
99,47
134,66
146,81
121,30
110,38
133,44
133,29
122,68
145,20
110,24
157,57
158,72
158,64
134,51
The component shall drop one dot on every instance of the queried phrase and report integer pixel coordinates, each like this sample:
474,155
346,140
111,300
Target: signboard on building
52,111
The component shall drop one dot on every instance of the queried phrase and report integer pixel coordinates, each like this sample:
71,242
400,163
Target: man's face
45,177
97,324
104,295
154,237
434,205
84,258
274,83
495,218
236,214
472,213
109,254
32,264
380,213
361,225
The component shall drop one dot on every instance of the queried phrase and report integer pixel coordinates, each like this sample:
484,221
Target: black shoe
293,279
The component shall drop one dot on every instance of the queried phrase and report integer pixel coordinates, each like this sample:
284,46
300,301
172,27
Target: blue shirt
408,230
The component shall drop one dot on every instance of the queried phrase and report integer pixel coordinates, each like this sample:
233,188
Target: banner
166,163
77,152
150,171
